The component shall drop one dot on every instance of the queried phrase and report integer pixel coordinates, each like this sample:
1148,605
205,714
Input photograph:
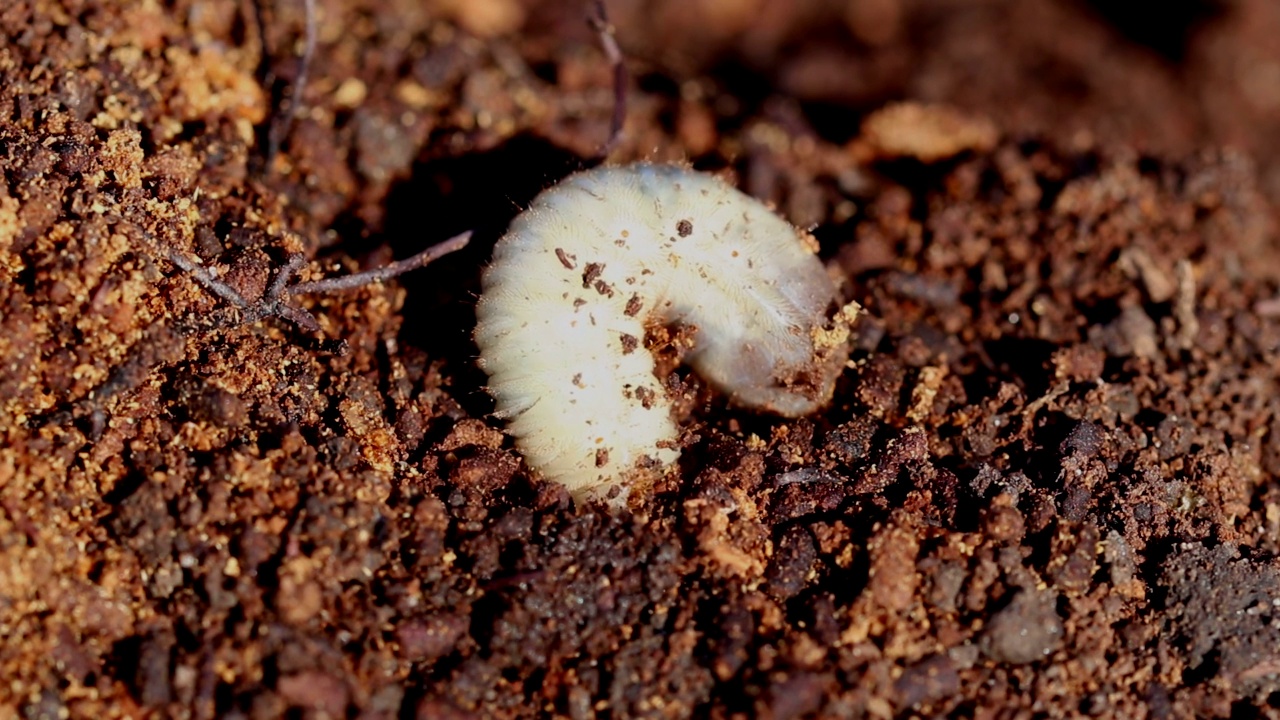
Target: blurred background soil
1046,486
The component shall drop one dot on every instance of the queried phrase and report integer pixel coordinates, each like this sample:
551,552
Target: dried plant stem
599,22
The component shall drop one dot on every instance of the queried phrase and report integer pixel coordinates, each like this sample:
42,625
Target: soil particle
1025,631
1220,613
430,638
929,680
319,692
926,132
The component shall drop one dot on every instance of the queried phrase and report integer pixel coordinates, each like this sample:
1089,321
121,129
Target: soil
1046,485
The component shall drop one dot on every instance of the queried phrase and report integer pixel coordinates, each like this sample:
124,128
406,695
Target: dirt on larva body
1046,487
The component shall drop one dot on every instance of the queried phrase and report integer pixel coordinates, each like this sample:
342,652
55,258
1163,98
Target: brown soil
1047,487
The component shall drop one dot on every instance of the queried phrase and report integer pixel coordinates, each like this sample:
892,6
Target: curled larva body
578,276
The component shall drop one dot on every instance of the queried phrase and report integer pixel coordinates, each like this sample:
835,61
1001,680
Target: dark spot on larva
602,457
684,228
577,380
646,397
633,306
593,318
649,462
591,273
565,258
668,444
626,233
604,288
629,344
620,242
578,302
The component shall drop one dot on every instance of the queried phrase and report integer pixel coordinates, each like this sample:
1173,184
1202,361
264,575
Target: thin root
290,104
599,22
386,272
275,301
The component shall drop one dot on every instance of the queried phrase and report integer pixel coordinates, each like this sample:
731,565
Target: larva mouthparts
561,319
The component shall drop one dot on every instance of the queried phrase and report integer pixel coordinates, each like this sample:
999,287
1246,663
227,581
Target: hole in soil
1165,26
444,196
126,487
1025,358
1205,671
124,659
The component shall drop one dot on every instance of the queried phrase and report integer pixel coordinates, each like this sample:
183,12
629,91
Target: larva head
766,337
789,374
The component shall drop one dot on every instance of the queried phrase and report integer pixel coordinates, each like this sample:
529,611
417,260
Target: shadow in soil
445,196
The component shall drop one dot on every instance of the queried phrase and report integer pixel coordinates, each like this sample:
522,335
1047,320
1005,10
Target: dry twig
275,302
289,104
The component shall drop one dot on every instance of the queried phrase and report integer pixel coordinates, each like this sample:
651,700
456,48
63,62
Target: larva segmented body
561,321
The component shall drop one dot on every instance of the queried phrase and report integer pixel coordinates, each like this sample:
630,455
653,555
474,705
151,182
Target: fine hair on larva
607,252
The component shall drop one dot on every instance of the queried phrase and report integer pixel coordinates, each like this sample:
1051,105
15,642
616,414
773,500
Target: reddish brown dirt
1046,488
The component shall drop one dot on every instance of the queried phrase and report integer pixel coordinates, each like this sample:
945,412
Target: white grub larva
605,253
